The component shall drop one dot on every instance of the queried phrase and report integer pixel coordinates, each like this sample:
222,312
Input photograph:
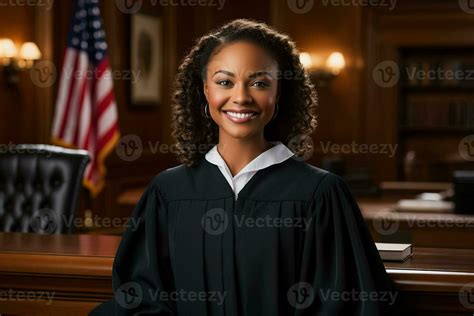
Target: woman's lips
240,118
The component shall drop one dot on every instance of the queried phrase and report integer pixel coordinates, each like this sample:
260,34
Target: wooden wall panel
352,108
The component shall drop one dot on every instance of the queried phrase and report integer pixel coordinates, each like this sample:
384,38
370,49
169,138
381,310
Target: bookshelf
436,110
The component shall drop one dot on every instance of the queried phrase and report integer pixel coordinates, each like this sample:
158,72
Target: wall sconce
14,60
322,74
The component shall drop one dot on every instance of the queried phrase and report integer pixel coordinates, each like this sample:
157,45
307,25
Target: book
424,206
394,252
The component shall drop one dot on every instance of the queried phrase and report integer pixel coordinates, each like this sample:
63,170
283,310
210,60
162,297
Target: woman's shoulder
294,177
183,181
318,179
171,176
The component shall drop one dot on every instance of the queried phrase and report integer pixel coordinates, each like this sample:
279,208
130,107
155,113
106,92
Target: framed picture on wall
146,59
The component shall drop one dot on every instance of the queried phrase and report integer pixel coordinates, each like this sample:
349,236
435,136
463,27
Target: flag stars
87,33
81,14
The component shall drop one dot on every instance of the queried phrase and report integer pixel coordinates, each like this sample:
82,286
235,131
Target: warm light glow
7,48
335,63
305,60
30,51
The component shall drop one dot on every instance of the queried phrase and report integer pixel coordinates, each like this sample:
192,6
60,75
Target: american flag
86,112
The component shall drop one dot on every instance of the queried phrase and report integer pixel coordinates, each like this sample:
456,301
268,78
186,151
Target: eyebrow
253,75
224,72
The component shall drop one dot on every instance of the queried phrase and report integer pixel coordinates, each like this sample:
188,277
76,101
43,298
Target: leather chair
39,187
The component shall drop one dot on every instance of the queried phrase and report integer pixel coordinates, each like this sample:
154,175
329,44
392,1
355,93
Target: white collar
274,155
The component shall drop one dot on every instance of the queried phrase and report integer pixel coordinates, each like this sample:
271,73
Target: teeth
240,115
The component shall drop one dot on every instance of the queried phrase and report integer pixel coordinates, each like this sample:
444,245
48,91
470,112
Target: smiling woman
248,221
243,66
241,86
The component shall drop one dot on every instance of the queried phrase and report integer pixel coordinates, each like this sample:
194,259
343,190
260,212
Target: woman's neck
238,153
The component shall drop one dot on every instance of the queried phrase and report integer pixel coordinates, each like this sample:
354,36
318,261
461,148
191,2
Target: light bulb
30,51
305,60
7,48
335,63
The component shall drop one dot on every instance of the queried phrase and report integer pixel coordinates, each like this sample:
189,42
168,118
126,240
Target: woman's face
241,78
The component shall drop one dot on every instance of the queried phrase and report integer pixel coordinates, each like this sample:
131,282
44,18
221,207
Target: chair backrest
39,187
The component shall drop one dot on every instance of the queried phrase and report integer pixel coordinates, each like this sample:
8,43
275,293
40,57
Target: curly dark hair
195,134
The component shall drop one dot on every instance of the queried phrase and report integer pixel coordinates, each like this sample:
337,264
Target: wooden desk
75,271
433,278
56,274
447,230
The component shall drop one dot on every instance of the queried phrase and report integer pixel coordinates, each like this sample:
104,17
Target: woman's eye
261,84
224,83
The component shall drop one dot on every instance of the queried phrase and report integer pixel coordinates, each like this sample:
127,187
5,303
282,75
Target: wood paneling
352,107
17,106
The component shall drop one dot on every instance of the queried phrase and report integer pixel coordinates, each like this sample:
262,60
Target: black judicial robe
293,243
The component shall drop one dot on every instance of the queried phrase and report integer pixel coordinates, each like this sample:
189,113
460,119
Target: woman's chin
240,132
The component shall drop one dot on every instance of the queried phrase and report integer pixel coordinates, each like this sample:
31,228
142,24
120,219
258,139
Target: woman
246,226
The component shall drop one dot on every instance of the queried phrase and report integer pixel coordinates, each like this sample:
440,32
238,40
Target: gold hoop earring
276,111
206,111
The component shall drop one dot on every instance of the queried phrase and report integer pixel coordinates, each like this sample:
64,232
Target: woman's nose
242,95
